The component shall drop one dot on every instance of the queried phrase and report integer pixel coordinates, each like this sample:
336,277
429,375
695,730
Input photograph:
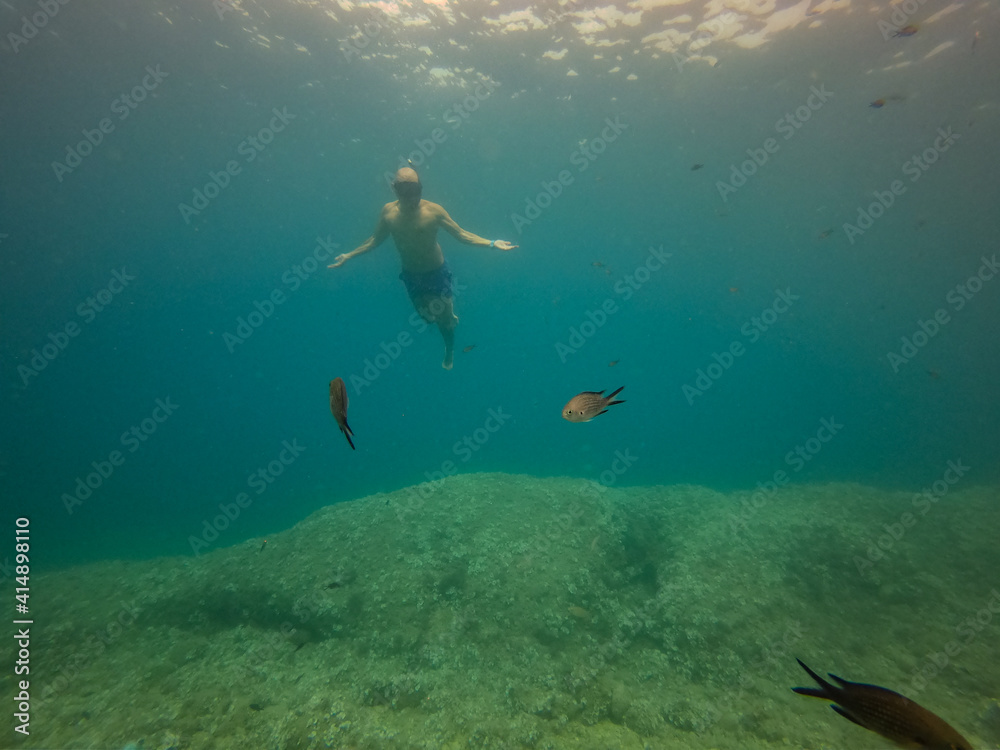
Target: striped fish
338,405
886,713
585,406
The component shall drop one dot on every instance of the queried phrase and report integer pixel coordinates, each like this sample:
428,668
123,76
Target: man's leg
444,315
441,310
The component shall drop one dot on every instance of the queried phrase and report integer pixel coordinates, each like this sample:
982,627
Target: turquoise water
774,225
492,124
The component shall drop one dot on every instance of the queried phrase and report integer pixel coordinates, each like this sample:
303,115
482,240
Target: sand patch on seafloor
509,611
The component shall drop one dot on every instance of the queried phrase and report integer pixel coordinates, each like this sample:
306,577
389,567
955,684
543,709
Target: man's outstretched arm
469,238
377,238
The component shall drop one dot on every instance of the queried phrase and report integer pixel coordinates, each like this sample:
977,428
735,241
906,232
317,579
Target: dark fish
585,406
825,233
907,31
338,405
613,362
696,167
877,104
886,713
469,348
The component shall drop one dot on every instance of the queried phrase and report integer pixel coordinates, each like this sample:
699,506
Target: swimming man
413,224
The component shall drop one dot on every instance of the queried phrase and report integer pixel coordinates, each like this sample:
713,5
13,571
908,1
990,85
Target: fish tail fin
847,716
811,692
828,691
611,401
348,433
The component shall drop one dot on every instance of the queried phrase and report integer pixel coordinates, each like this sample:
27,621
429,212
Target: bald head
407,187
406,174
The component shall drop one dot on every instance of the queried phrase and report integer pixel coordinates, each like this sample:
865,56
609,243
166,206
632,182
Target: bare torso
414,230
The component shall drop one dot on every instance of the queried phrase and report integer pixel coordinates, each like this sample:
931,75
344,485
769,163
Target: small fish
975,38
696,167
825,233
338,405
262,546
597,264
613,362
886,713
877,104
907,31
585,406
734,290
469,348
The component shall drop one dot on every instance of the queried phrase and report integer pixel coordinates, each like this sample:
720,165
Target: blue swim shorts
436,283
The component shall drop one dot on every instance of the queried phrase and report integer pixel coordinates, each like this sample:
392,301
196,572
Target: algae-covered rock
498,611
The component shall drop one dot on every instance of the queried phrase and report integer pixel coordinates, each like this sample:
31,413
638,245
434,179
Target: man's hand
339,260
504,245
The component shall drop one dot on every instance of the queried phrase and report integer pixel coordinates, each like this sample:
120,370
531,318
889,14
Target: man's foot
449,360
